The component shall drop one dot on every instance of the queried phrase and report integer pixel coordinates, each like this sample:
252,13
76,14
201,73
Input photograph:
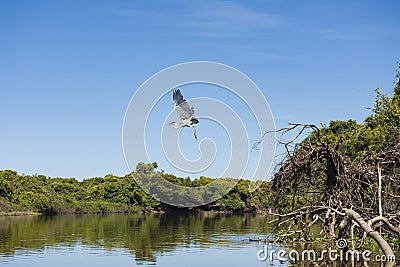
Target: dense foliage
314,167
380,130
109,193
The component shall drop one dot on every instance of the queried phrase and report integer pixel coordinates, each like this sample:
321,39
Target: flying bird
185,112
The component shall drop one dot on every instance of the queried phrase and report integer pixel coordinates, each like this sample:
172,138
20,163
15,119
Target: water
130,240
137,240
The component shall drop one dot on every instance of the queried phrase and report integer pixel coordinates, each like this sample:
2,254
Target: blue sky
68,69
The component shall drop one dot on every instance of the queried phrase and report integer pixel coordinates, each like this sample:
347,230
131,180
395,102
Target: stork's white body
185,113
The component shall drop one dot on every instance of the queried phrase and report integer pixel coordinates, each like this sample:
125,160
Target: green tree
146,168
233,202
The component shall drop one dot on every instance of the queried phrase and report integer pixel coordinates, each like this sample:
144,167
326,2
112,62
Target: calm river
134,240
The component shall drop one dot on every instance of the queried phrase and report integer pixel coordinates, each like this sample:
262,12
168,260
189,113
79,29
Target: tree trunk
371,232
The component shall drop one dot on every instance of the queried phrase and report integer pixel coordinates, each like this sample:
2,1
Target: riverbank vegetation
344,178
38,193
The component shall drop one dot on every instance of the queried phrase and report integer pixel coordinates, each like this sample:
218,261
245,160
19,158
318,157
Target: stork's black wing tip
177,94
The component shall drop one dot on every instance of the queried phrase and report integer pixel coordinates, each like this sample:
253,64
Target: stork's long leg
194,128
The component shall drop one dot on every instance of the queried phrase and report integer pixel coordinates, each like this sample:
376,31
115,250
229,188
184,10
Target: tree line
111,193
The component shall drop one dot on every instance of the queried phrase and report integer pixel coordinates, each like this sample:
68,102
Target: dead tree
329,189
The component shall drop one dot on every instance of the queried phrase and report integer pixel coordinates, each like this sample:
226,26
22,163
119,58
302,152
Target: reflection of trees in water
143,234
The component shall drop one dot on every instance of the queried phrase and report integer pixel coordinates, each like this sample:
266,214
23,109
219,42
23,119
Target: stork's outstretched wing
181,106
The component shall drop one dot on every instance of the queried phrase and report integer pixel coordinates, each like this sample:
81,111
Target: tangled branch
316,183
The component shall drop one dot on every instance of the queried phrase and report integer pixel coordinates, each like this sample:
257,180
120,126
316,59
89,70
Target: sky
68,69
